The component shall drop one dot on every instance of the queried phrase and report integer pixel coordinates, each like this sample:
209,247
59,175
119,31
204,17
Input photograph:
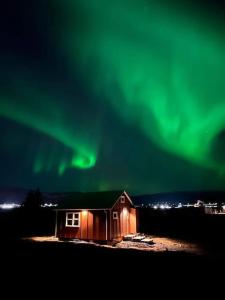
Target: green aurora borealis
103,94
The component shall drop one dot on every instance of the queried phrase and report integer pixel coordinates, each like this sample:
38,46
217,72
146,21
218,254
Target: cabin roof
90,200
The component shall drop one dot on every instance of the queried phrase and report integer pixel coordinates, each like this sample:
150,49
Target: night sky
98,95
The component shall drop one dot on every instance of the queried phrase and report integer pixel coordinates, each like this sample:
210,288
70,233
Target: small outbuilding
100,216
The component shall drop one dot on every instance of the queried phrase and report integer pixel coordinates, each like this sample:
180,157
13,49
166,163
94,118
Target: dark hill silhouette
183,197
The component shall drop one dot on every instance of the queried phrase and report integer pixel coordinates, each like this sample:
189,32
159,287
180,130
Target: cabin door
125,221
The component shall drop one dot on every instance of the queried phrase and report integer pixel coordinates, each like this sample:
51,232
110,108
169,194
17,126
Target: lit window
73,219
115,215
122,199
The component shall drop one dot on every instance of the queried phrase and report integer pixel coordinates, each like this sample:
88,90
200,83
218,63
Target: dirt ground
161,244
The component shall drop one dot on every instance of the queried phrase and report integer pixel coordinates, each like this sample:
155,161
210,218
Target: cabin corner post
110,224
106,225
56,221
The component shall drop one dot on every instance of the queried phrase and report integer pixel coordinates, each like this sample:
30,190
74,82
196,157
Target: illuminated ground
161,244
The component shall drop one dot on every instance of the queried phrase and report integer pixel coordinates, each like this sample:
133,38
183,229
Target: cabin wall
92,226
126,222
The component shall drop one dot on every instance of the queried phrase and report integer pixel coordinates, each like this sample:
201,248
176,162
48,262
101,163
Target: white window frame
122,199
75,217
115,215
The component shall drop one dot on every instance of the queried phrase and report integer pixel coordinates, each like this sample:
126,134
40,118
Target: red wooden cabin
100,216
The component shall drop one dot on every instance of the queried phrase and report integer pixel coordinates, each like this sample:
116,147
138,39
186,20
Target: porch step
138,238
148,241
141,238
129,237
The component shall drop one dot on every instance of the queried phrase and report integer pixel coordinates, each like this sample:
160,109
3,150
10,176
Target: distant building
215,208
200,203
100,216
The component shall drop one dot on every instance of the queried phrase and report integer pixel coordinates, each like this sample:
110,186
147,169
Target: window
122,199
73,219
115,215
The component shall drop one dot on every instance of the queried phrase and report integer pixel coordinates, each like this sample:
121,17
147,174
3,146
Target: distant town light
9,205
49,205
164,206
167,206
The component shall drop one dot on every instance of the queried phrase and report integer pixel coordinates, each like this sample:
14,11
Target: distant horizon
119,189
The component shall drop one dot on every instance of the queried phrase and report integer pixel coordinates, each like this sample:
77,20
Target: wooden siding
133,221
92,226
99,226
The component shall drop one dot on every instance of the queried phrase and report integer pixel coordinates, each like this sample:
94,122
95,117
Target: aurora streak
169,78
